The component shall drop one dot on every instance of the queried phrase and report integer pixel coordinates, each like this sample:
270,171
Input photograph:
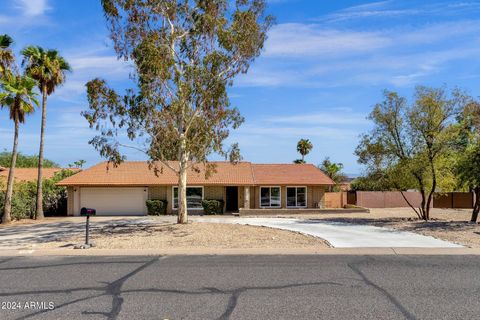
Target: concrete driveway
344,235
28,236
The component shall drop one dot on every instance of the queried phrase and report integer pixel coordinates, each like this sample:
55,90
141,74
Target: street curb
248,251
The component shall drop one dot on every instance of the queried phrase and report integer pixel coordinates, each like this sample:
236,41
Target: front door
232,199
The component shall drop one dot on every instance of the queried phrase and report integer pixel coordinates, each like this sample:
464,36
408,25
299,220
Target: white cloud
369,6
296,39
33,8
310,56
338,116
368,10
27,13
88,66
263,132
97,62
394,9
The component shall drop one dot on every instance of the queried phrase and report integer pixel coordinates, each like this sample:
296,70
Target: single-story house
123,190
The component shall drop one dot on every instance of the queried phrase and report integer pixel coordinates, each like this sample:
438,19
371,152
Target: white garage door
114,201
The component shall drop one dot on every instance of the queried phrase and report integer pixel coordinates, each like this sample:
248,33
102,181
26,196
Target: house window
296,196
194,197
270,197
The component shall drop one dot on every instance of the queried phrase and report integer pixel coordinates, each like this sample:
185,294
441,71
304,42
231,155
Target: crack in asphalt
407,314
235,294
111,289
114,289
6,260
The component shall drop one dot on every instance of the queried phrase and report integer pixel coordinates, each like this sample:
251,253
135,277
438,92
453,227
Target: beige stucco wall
214,193
241,196
318,197
158,193
70,201
169,199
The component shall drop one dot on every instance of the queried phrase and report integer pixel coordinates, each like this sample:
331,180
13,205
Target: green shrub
23,202
23,207
157,207
24,197
212,206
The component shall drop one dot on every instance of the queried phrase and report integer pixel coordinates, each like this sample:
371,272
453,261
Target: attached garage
114,201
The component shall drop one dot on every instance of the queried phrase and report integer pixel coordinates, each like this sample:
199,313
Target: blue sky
324,66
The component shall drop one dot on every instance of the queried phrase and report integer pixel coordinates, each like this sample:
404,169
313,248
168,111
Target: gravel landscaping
168,235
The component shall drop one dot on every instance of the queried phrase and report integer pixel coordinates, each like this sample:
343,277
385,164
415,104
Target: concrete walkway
344,235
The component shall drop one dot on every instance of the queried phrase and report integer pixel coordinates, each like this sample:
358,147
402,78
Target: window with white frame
296,196
270,197
194,197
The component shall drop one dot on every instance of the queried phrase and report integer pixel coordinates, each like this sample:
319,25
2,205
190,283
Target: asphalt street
241,287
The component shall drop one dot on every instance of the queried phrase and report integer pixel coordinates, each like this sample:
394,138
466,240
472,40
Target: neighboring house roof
138,173
31,174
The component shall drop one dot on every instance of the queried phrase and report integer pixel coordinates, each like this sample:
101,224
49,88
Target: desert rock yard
446,224
169,235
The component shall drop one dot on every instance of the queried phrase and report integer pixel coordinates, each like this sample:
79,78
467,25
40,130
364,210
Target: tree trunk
476,206
182,185
422,209
182,195
39,210
432,190
428,204
421,186
7,216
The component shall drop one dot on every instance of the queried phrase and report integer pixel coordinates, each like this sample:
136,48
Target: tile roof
293,174
30,174
138,173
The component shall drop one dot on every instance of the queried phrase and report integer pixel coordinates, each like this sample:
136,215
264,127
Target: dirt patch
193,235
446,224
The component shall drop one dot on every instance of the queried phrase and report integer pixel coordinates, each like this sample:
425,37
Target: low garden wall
388,199
335,199
394,199
456,200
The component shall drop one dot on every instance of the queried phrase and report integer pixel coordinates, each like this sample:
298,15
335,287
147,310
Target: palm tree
304,146
48,68
18,96
333,170
6,55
